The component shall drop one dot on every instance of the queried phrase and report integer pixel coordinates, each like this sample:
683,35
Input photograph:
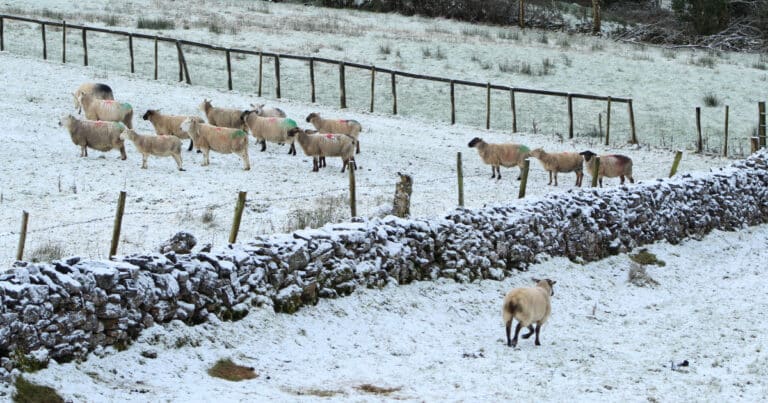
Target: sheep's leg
177,157
631,180
292,149
530,332
579,177
205,157
354,163
622,179
493,172
263,145
517,332
144,161
83,151
315,165
122,153
190,145
509,325
600,180
538,329
550,178
322,161
344,164
555,175
246,160
358,147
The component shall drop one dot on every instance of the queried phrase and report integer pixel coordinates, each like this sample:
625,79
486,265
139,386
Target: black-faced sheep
560,162
611,166
319,146
159,146
528,305
340,126
96,134
274,130
223,140
97,90
167,124
109,110
222,117
505,155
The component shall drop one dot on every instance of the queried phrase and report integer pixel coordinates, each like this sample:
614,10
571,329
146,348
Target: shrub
711,100
157,23
705,17
509,35
385,49
46,252
226,369
328,209
29,392
644,257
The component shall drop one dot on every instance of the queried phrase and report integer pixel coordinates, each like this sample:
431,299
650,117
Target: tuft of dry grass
644,257
316,392
226,369
376,390
30,392
639,277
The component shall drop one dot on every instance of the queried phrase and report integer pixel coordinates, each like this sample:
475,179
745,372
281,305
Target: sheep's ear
535,280
552,282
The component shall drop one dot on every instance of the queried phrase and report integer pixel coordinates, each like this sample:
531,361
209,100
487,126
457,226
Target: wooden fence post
373,85
352,193
312,78
521,14
596,20
178,57
2,34
514,110
524,178
608,123
155,57
676,163
453,103
761,123
342,87
261,70
130,51
570,116
488,106
239,207
277,76
699,142
600,124
394,94
63,41
85,47
45,44
118,224
401,205
460,176
595,171
754,143
183,65
229,72
632,121
22,235
725,134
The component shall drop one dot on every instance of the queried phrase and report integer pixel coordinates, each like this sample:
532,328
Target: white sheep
267,112
167,124
96,134
560,162
274,130
611,165
223,140
319,146
505,154
222,117
109,110
528,305
98,90
340,126
159,146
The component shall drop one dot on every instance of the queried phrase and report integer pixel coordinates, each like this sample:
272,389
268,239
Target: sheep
611,165
506,155
100,109
273,129
167,124
222,117
319,146
223,140
340,126
159,146
267,112
528,305
99,135
98,90
560,162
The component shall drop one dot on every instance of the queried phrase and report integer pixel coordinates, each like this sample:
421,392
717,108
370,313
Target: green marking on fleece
524,149
120,125
288,124
239,133
126,105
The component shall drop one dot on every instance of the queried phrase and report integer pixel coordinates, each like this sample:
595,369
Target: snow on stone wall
65,309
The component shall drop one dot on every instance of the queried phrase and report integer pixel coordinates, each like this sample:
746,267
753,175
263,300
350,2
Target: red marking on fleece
109,101
329,136
99,123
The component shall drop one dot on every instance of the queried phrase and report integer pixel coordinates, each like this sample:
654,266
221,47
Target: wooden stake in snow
261,71
514,110
229,70
394,94
352,195
401,207
2,34
239,207
595,171
488,106
277,76
342,87
63,41
632,121
155,57
22,235
761,123
608,122
460,176
85,48
373,85
676,163
699,141
311,79
725,134
570,116
453,103
118,224
45,45
524,178
130,51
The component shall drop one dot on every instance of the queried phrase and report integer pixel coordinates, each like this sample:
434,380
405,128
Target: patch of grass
436,29
46,252
525,68
564,43
543,38
53,15
186,341
316,392
596,46
708,61
507,66
209,216
547,65
338,47
475,31
669,54
385,49
508,35
639,277
711,100
226,369
328,209
26,362
154,23
215,28
111,20
567,61
426,52
644,257
376,390
27,391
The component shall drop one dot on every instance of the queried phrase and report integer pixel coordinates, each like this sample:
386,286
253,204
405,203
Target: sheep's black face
147,114
244,115
293,132
587,155
475,141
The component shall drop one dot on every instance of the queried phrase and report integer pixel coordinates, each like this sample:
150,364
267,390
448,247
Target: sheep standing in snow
96,134
340,126
159,146
611,165
528,305
109,110
560,162
319,146
223,140
505,155
167,124
274,130
97,90
267,112
222,117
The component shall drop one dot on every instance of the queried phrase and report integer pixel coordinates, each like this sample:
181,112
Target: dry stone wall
65,309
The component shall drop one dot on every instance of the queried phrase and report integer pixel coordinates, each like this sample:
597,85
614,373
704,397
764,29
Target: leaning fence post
373,85
676,163
632,121
570,116
229,70
312,78
488,106
460,177
63,41
524,178
394,95
699,142
22,235
118,223
130,51
238,216
595,170
342,87
608,123
45,44
725,134
352,194
85,48
277,76
514,110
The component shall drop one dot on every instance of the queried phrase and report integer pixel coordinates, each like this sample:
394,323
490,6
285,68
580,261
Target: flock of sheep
108,124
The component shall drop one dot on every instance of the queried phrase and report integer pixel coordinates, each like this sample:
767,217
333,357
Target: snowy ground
607,340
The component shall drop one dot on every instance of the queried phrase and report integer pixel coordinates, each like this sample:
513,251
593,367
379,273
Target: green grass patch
28,392
646,258
154,23
226,369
